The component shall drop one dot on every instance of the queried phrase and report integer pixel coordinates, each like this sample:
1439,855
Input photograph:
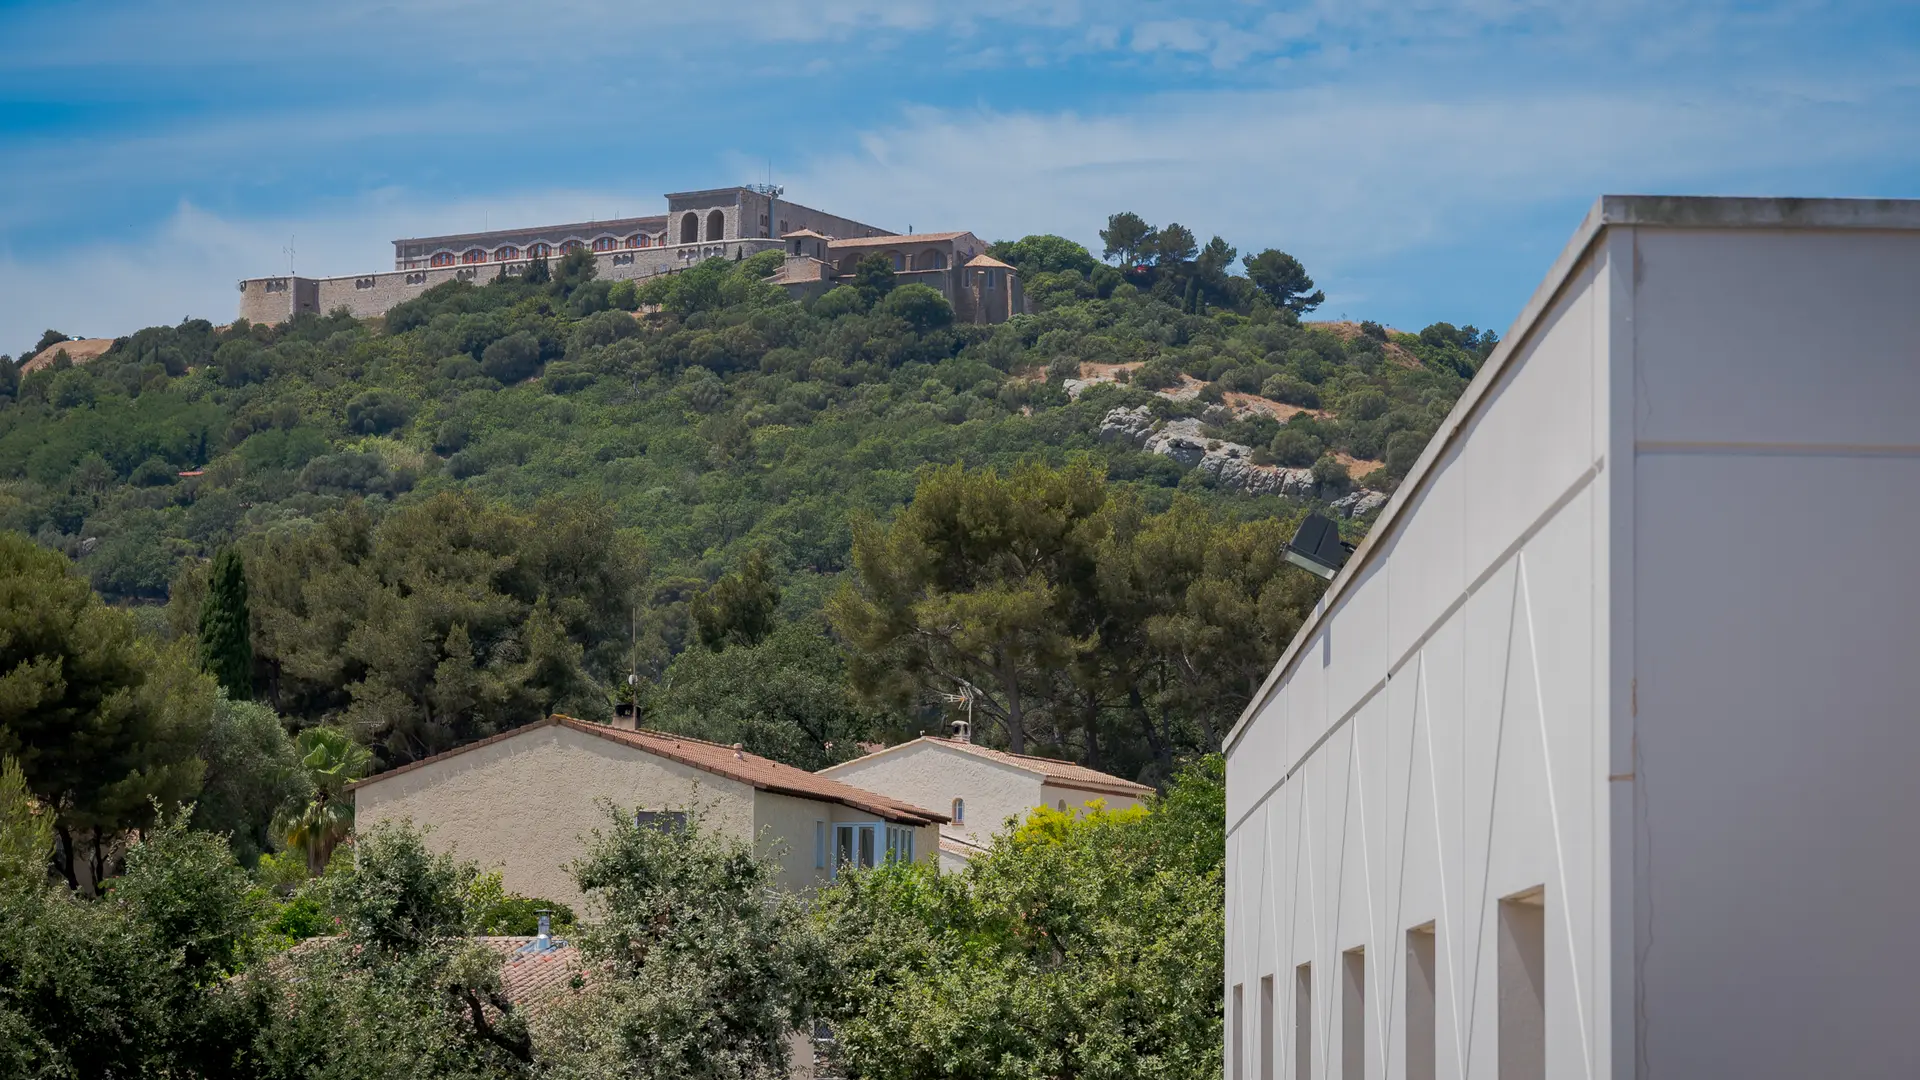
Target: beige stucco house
525,800
980,789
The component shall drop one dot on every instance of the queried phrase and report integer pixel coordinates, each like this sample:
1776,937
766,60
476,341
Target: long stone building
724,223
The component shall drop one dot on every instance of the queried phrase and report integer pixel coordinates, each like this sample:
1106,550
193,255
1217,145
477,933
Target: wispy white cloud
1345,177
188,266
1349,182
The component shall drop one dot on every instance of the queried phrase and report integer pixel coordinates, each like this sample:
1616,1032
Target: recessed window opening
1353,1014
716,226
1303,1021
959,811
1236,1034
1522,980
1266,1027
819,845
1420,1003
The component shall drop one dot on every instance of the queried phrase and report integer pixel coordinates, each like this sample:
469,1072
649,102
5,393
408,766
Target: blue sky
1425,158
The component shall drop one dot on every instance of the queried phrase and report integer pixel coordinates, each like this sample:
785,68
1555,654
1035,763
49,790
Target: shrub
1295,449
840,300
513,358
153,472
603,328
1363,405
920,306
376,412
1291,391
1331,475
1158,373
347,474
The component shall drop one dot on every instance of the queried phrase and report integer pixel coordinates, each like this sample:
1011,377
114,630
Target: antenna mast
773,192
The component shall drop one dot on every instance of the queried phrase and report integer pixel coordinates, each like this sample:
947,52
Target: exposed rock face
1229,463
1360,502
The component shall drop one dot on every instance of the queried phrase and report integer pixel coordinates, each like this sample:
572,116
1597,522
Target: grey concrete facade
1582,767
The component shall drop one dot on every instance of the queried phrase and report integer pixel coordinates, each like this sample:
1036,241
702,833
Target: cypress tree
226,647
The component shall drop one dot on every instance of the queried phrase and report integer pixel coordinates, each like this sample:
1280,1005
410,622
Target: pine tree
226,647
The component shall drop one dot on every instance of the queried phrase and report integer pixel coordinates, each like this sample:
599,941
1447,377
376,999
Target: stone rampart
274,300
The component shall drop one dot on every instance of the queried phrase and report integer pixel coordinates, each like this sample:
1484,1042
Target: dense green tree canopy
103,722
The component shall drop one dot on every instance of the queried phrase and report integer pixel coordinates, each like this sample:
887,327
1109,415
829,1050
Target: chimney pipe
737,755
545,940
962,731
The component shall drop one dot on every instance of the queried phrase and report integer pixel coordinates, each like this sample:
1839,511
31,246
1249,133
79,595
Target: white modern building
980,789
1599,757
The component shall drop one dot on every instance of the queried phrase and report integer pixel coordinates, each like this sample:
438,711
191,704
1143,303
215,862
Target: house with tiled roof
981,289
524,802
979,788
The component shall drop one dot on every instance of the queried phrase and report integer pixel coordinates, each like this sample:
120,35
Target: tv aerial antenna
965,697
288,250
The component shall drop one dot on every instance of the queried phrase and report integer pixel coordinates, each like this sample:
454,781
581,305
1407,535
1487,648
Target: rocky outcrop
1229,463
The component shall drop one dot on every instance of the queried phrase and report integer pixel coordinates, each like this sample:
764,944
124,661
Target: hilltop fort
726,223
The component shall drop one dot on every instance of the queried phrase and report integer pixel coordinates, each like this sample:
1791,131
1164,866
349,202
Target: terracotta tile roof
883,241
761,773
953,845
529,973
807,233
988,260
1062,773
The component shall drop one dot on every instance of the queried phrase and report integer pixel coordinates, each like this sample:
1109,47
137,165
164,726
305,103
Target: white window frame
887,843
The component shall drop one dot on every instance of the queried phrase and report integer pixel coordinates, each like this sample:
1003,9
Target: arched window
474,255
930,260
959,811
939,260
636,241
441,258
504,253
605,243
539,251
571,246
899,261
690,228
1063,806
716,226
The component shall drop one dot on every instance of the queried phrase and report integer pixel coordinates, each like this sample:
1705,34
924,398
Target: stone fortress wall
731,223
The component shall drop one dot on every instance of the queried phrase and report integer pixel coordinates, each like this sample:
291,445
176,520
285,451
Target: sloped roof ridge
1066,773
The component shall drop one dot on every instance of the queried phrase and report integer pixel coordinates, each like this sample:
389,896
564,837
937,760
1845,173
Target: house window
506,253
819,845
783,227
856,845
899,843
959,811
474,256
605,243
1063,806
441,258
539,251
571,246
664,820
863,845
636,241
